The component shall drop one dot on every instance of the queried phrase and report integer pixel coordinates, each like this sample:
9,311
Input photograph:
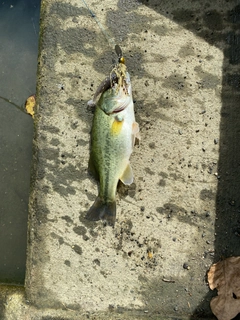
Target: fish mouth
124,94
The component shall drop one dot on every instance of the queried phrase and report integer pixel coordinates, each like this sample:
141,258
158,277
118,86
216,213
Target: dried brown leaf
225,277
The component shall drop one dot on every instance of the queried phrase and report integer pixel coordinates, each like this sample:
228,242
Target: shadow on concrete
218,26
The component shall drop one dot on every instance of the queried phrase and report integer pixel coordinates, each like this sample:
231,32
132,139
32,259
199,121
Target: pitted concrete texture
183,58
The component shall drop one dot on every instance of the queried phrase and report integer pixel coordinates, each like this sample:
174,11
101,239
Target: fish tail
102,210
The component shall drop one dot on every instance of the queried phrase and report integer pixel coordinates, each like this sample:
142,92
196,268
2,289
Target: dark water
19,27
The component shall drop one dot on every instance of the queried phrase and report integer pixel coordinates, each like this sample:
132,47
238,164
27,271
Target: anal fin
127,177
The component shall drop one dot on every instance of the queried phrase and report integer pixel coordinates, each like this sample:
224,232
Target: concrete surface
181,214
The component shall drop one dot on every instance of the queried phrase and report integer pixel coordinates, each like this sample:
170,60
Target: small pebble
186,266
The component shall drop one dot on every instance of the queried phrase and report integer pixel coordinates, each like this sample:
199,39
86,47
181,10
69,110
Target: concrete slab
169,226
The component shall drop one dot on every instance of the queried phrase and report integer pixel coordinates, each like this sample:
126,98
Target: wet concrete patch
177,82
208,80
207,194
66,10
186,50
77,249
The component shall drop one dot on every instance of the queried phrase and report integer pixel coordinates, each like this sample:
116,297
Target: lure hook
118,51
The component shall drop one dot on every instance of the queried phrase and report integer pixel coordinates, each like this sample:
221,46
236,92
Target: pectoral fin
127,177
135,132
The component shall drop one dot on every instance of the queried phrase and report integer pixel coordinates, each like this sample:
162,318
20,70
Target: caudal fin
102,210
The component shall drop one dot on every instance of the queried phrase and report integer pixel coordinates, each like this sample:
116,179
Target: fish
113,134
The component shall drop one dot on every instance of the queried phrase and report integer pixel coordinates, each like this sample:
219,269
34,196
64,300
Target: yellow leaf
30,105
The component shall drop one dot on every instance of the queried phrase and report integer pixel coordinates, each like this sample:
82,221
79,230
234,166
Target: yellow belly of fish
116,127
